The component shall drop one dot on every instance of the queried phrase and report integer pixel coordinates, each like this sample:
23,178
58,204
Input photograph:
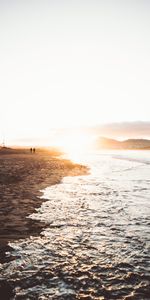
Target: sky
72,63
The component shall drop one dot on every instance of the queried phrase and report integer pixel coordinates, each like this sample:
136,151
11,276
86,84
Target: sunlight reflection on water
96,243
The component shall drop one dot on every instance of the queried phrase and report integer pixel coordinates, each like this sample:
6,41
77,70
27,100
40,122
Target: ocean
96,244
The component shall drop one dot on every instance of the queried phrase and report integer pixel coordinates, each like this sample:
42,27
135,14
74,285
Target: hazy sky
72,63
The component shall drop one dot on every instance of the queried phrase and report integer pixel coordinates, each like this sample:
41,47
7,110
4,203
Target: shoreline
22,176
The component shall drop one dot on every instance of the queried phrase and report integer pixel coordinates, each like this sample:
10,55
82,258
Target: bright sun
74,145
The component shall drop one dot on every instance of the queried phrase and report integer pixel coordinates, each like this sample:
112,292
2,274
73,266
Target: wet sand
22,176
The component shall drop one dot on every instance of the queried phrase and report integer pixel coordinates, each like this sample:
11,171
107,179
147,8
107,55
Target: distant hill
106,143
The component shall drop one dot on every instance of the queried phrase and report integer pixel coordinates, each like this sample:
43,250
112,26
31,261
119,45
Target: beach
22,176
87,236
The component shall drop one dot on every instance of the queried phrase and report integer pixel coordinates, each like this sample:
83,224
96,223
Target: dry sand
22,176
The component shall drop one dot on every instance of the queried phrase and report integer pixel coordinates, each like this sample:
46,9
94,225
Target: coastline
22,176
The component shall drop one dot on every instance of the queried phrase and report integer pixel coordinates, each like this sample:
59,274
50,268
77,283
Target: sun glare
74,145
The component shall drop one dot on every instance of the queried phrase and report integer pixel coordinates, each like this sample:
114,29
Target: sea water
96,244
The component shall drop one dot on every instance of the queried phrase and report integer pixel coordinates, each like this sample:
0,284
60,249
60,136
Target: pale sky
72,63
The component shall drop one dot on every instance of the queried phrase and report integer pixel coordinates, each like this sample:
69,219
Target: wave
129,158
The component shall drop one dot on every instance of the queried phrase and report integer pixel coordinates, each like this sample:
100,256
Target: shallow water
97,241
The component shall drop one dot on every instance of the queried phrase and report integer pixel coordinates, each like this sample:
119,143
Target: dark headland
130,144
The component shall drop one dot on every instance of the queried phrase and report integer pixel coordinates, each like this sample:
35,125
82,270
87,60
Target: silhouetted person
31,150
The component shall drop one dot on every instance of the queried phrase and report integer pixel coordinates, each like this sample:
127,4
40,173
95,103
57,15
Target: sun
74,144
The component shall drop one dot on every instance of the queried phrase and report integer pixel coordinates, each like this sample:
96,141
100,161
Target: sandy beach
22,176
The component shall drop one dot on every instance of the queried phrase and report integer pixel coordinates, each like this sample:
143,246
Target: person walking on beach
33,150
30,150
